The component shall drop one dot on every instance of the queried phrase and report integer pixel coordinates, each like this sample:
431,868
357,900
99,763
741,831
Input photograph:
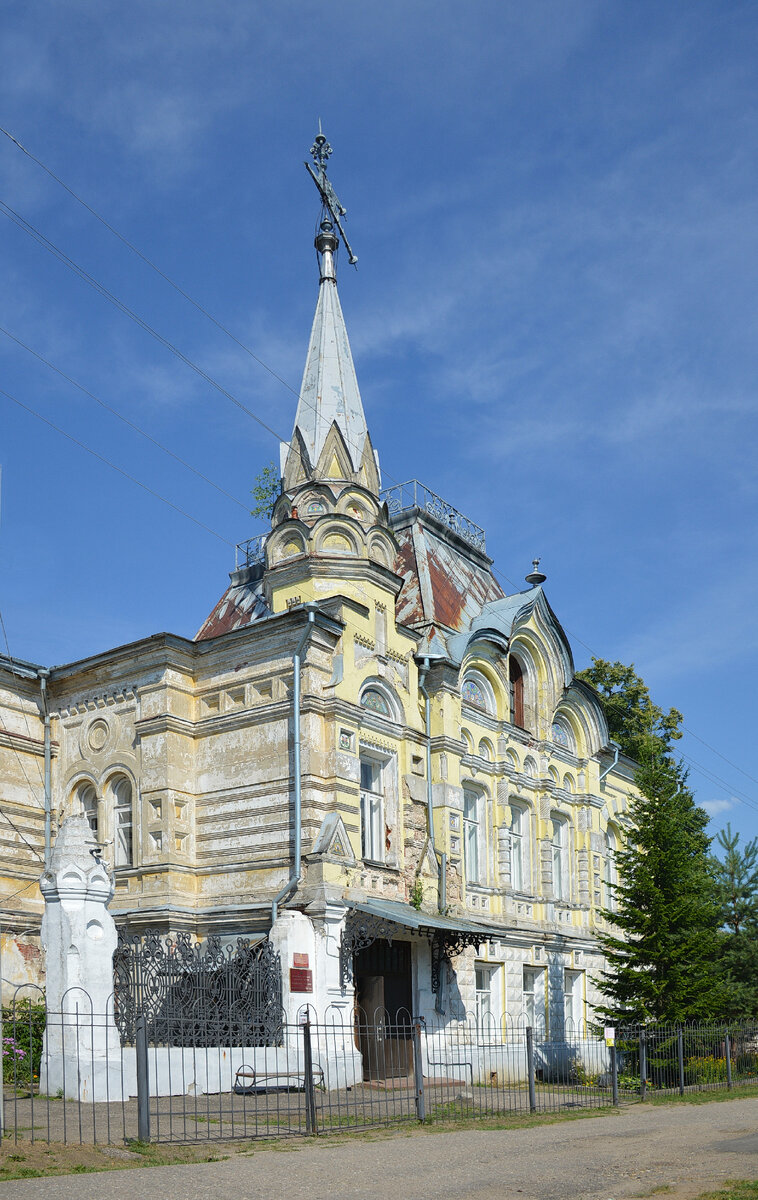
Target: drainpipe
441,858
616,751
43,674
294,879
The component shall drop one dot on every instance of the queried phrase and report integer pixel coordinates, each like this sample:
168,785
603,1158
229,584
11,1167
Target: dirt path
682,1149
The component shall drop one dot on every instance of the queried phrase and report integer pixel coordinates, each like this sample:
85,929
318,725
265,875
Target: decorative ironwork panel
198,995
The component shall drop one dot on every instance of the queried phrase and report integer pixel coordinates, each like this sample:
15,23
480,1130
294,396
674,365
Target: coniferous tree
661,957
642,729
736,876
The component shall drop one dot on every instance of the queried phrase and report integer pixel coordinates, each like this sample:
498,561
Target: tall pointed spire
330,422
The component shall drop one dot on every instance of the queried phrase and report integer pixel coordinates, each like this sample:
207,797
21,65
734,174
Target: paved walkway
692,1148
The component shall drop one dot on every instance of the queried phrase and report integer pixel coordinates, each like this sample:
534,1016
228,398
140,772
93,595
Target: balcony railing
251,552
414,495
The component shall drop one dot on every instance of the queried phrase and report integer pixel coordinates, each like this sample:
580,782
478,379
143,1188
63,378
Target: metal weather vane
320,152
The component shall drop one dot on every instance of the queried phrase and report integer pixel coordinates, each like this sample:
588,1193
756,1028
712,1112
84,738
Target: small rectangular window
534,998
486,1000
573,1003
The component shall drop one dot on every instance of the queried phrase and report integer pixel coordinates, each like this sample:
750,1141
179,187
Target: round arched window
373,699
477,690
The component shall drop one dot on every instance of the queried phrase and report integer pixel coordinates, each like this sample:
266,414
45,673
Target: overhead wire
126,420
86,277
121,471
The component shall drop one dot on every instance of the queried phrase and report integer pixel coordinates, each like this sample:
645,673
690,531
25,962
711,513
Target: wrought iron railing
250,552
413,494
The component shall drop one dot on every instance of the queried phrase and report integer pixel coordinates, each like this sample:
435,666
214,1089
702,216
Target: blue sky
553,318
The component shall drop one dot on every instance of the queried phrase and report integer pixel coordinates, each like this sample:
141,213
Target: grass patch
749,1091
734,1189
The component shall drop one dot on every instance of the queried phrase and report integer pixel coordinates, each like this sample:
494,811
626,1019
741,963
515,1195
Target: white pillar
82,1049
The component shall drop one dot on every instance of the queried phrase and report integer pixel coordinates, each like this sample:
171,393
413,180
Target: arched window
520,874
568,783
610,877
530,767
122,822
485,750
88,800
468,741
560,846
553,774
375,700
477,690
516,692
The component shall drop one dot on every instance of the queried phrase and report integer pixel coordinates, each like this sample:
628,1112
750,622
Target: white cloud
715,808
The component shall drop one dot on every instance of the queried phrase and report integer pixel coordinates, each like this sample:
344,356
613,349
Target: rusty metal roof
443,584
241,604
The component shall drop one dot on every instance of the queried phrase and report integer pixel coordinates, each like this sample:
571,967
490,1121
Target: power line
148,262
42,240
124,308
103,291
121,471
109,408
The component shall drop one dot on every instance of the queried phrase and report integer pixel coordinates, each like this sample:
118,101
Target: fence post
311,1129
728,1048
614,1076
680,1054
418,1072
143,1079
643,1064
530,1068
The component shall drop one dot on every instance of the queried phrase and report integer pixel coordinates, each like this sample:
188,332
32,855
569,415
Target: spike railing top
320,152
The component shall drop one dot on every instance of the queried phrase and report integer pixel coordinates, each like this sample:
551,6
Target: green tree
661,956
736,877
265,491
642,729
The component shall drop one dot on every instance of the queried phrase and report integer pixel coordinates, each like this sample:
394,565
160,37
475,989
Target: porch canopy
370,919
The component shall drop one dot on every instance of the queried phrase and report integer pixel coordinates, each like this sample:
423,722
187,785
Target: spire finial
535,576
320,153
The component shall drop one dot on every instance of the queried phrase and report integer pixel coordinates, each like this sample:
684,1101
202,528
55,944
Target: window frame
91,812
610,870
574,1003
123,851
534,998
561,857
472,836
520,841
487,1022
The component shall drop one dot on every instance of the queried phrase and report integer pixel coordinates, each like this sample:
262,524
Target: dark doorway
383,994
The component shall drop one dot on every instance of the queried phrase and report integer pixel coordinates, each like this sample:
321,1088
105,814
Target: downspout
441,858
291,885
43,674
616,751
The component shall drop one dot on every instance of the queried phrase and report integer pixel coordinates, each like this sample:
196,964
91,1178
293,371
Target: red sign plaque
301,980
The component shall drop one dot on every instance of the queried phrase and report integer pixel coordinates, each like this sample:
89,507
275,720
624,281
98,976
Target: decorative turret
330,441
329,519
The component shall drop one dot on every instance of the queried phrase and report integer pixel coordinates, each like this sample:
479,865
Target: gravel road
690,1148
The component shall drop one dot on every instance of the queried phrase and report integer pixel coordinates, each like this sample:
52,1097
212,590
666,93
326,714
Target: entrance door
383,986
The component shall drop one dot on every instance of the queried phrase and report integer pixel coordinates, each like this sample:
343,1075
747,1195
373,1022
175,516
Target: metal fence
68,1078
